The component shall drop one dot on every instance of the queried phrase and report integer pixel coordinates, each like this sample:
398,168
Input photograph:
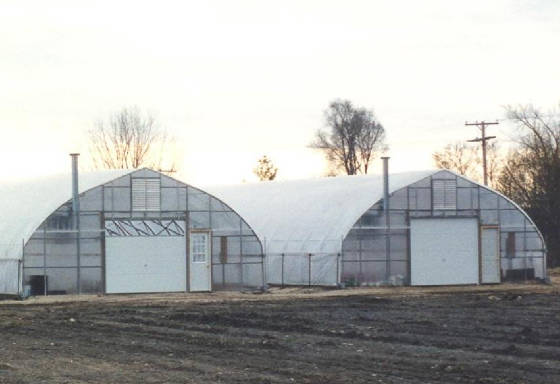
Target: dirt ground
499,334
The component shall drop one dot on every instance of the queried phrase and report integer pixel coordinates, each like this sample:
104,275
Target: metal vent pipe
387,218
75,195
76,215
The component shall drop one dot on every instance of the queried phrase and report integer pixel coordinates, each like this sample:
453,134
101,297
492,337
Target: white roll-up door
444,251
145,256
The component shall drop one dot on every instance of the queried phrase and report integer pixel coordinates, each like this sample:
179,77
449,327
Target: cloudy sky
233,80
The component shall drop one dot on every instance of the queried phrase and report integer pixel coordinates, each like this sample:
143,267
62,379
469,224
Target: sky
234,80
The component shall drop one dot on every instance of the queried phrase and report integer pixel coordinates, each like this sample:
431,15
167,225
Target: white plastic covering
24,205
309,216
9,276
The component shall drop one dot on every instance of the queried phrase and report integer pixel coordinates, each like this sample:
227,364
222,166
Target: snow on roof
311,216
24,205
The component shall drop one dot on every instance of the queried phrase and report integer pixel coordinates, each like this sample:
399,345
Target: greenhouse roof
313,215
24,205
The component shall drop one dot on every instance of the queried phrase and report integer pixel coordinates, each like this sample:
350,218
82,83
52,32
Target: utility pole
482,126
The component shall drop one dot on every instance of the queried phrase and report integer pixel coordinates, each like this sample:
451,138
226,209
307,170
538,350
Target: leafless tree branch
129,139
353,138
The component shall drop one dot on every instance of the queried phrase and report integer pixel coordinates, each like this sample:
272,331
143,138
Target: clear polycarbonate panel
420,198
88,260
399,272
399,199
465,198
461,182
120,199
218,206
533,241
234,249
199,220
488,199
302,269
252,273
62,250
173,199
489,217
91,280
93,200
232,274
90,221
225,222
350,273
251,246
198,201
62,281
34,260
217,274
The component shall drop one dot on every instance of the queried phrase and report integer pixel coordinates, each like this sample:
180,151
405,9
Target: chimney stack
75,189
387,218
386,185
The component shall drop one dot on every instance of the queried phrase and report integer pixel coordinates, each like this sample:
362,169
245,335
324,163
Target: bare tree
466,160
353,139
265,170
458,157
531,175
130,138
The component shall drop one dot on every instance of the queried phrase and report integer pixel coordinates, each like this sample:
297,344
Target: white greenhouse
126,232
441,229
142,231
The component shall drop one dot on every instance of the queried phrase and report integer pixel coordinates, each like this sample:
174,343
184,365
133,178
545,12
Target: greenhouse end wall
372,255
73,260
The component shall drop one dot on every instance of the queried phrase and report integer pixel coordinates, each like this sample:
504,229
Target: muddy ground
503,334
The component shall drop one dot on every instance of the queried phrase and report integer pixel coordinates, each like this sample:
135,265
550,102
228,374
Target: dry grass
291,293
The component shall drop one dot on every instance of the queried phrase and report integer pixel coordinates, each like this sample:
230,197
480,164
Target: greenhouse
122,232
438,228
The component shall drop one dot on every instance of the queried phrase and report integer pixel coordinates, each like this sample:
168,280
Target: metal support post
282,278
309,275
76,215
387,218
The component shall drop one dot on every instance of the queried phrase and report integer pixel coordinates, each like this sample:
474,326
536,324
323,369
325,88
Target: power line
482,126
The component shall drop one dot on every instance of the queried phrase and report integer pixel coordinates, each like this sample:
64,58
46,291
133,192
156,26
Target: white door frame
190,262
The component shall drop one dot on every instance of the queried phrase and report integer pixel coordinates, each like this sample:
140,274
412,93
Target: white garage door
444,251
145,262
